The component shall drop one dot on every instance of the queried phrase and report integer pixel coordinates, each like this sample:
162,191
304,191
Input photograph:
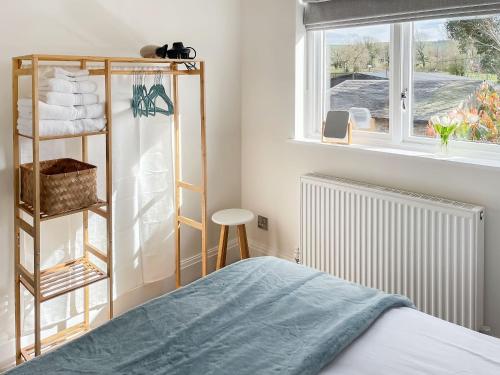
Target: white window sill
492,161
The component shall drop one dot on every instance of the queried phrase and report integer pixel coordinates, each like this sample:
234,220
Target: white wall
272,166
121,28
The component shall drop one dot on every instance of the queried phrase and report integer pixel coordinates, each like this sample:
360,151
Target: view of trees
472,48
438,56
479,38
364,54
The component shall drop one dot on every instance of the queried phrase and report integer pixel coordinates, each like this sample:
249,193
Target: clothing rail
25,71
140,60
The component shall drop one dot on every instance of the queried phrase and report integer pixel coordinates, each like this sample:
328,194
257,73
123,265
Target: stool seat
233,216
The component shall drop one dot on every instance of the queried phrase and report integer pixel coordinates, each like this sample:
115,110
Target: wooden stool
225,218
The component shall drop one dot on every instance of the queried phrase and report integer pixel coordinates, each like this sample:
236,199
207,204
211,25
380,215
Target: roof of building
432,97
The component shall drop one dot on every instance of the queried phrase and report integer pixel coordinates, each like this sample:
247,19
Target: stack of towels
67,105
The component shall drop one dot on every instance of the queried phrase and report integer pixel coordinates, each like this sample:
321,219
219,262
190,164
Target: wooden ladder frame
80,273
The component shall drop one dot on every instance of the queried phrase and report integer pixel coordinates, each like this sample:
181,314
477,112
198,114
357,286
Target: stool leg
221,255
242,238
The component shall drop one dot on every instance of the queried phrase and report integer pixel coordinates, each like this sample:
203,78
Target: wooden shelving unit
46,284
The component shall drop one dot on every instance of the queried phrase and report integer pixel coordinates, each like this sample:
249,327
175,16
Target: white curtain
143,192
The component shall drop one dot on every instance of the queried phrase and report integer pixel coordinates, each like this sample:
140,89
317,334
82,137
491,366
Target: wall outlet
262,222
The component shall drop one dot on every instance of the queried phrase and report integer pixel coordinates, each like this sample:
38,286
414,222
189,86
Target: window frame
401,73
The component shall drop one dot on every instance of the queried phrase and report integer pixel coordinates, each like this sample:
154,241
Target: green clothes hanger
143,103
140,99
158,91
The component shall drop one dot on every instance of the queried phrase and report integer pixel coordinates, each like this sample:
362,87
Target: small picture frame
337,128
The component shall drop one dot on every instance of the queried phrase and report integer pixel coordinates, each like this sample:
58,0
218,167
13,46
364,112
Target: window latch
404,96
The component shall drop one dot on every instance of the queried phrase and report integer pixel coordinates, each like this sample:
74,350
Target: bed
269,316
407,341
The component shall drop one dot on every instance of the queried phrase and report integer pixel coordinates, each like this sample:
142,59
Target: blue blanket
258,316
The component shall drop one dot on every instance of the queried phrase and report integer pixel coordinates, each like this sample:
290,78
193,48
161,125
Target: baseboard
260,249
211,253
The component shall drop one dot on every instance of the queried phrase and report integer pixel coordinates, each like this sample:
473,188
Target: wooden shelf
43,216
140,60
63,278
51,342
67,277
51,138
79,273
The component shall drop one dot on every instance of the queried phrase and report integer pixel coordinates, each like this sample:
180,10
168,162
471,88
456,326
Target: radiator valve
486,330
297,255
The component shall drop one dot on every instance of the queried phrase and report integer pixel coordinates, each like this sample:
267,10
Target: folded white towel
66,74
57,112
62,85
48,128
66,99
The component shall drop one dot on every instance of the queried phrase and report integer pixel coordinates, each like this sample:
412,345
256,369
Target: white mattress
406,342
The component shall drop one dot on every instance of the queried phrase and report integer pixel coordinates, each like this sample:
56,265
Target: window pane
456,70
358,61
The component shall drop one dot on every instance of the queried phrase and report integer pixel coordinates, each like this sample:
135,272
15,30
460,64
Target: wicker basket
65,185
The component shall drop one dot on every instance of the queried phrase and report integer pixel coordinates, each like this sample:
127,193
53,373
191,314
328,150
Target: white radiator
427,248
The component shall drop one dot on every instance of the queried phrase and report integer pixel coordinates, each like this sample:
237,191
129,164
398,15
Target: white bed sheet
407,342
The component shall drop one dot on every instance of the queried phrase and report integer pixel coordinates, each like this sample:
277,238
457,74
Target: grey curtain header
324,14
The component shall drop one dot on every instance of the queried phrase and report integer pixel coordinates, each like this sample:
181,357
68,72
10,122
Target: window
358,75
455,78
405,82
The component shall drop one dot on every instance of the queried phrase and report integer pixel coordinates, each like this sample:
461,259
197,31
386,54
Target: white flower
444,121
435,120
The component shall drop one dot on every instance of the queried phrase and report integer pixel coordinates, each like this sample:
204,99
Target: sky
431,30
380,33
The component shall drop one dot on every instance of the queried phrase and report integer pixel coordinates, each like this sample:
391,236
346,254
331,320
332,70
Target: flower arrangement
477,119
445,127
